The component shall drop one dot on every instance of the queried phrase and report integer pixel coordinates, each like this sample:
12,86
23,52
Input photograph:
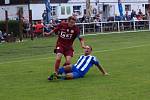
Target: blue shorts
75,72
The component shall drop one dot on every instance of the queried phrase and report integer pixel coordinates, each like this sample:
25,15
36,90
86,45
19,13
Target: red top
38,28
66,34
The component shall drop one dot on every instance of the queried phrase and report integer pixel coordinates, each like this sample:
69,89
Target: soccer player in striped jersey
78,70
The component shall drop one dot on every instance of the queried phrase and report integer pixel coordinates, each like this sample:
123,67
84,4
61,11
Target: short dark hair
71,18
90,47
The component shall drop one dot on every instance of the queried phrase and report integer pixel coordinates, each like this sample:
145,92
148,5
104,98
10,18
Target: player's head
71,21
88,50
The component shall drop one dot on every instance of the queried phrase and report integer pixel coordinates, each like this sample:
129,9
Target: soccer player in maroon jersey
67,33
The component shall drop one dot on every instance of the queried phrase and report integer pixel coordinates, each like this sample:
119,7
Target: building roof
16,2
52,1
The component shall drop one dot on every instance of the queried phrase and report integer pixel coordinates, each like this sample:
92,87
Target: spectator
38,29
127,17
133,14
117,18
44,16
134,18
148,14
140,15
75,15
8,37
26,27
140,12
97,25
111,19
83,18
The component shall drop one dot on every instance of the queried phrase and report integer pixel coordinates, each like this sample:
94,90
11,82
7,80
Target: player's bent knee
59,55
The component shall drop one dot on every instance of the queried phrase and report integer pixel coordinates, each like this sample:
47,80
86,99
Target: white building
13,7
13,11
107,8
110,7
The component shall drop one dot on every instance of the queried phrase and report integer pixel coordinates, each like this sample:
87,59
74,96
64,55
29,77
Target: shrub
2,26
13,27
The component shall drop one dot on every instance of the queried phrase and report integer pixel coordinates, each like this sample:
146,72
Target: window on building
7,1
53,10
63,10
68,10
127,7
77,10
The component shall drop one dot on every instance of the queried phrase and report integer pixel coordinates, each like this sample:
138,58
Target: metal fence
114,26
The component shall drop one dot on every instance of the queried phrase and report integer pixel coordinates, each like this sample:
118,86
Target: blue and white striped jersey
84,63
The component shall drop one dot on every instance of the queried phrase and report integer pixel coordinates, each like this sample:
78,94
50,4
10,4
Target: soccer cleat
55,76
52,76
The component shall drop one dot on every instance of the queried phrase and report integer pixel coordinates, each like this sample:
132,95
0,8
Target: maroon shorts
66,51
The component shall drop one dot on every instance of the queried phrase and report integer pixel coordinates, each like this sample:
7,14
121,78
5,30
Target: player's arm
56,29
101,69
99,66
48,33
81,41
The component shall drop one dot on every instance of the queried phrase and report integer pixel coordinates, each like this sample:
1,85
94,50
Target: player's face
71,23
87,50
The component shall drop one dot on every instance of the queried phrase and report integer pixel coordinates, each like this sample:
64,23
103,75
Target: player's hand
47,34
83,46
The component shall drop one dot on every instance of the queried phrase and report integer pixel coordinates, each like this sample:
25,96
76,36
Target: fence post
134,25
149,25
6,21
83,29
30,22
20,25
94,27
101,27
118,26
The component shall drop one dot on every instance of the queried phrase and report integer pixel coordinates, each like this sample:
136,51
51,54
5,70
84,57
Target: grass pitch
24,70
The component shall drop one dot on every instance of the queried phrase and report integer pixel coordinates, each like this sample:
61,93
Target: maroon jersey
66,35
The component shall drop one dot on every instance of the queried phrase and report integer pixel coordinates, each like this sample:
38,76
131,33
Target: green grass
24,70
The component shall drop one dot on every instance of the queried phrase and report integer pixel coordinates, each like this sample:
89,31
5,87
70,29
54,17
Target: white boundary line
25,59
116,32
